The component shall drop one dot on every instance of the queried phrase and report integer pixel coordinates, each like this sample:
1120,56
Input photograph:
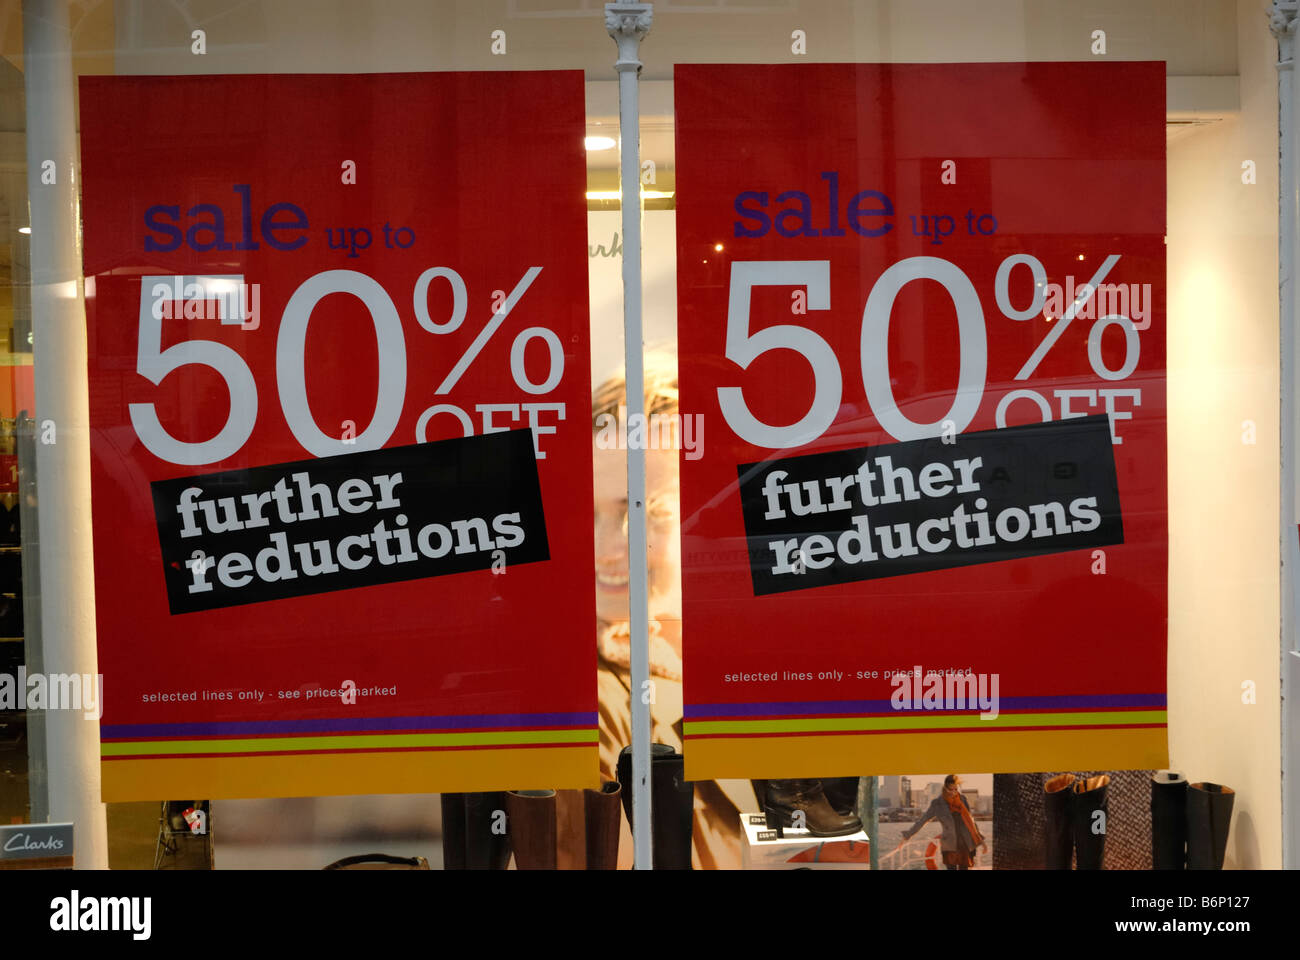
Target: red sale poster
339,395
922,315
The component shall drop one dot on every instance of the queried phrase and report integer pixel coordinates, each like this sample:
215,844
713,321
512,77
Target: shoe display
842,794
453,831
487,847
602,808
1059,839
784,797
531,819
672,804
1087,800
1209,815
1168,820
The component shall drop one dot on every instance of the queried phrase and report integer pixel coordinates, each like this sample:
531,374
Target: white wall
1223,493
605,287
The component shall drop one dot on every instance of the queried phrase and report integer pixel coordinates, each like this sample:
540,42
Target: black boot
1059,840
842,794
487,842
1168,821
453,831
1088,820
672,804
1209,813
785,797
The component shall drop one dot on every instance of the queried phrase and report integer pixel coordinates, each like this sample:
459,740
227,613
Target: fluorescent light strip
618,195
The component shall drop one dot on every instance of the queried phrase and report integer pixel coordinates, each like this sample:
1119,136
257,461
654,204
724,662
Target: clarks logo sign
22,843
27,841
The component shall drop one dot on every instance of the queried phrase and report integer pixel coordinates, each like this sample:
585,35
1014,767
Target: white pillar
1283,22
67,602
628,23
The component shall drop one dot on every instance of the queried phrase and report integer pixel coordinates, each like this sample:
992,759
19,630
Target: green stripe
365,742
701,728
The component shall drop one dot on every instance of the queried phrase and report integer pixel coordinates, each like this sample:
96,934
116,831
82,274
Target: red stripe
294,753
858,733
712,718
341,733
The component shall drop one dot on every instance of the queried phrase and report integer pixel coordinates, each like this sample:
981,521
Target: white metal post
628,23
1283,21
67,602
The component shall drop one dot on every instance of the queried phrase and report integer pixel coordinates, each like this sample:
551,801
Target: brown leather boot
531,816
786,797
603,807
842,794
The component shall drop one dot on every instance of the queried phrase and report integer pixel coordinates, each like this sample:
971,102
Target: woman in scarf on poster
960,835
714,824
696,825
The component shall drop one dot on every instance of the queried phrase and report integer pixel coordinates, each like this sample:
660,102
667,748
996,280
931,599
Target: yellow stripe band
910,752
704,728
359,742
329,774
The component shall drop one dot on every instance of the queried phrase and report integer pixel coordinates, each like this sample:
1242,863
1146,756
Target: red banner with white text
339,394
922,313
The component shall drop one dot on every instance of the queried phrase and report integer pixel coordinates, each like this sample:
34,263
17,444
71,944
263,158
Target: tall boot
1089,830
672,804
1209,813
1168,820
453,831
786,797
570,830
487,842
602,816
532,828
1059,839
842,794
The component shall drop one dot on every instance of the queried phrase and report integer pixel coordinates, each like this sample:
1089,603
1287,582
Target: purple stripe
238,728
698,711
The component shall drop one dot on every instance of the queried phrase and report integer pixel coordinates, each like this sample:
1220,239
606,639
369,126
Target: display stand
791,849
179,847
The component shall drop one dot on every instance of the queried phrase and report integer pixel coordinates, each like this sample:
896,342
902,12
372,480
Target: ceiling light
26,230
598,143
618,195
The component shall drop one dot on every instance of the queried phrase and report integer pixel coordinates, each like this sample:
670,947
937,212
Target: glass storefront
953,528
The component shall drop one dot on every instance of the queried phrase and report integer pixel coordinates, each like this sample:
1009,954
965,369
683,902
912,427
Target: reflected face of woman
663,554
